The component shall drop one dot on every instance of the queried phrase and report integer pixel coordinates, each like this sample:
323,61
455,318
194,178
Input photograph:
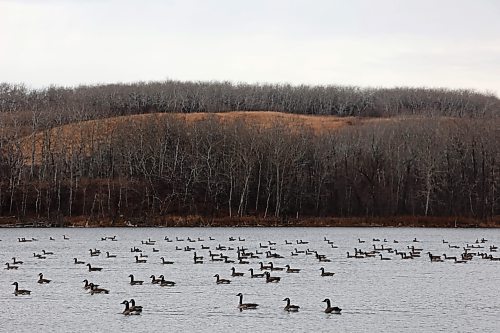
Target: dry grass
87,135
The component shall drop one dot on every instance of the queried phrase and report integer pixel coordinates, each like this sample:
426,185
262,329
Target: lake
396,295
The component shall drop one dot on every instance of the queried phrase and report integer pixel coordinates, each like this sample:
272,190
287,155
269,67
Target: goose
16,262
166,283
383,258
203,247
154,280
166,262
51,238
87,284
65,237
287,242
241,239
47,253
128,311
110,255
211,238
155,250
77,262
197,259
460,261
258,275
133,307
39,256
246,306
95,290
449,258
291,270
299,251
94,269
135,282
289,307
323,273
18,291
234,273
10,267
294,254
360,241
221,281
41,280
140,261
275,268
264,267
270,278
94,253
330,309
143,255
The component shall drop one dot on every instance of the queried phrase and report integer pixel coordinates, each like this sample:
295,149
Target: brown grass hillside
88,134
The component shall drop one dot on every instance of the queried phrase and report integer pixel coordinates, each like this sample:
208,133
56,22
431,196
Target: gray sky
434,43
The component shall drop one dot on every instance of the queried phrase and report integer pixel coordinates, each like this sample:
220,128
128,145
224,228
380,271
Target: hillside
85,135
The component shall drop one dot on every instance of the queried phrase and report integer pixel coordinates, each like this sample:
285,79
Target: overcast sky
434,43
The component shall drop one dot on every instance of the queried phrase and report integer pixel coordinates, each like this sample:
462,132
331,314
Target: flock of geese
263,254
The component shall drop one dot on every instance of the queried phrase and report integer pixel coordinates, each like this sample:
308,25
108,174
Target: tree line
164,166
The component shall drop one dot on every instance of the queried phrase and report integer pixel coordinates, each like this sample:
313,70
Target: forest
84,152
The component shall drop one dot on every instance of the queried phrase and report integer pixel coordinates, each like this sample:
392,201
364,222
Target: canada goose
154,280
246,306
140,261
258,275
291,270
143,255
449,258
221,281
155,250
41,280
51,238
294,254
18,291
360,241
275,268
383,258
94,253
460,261
299,251
65,237
47,253
87,284
270,278
166,283
288,243
10,267
197,259
323,273
264,267
133,307
39,256
110,255
135,282
234,273
211,238
77,262
94,269
289,307
434,258
166,262
95,290
16,262
330,309
128,311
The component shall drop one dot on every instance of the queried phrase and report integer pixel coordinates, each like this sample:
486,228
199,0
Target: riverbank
201,221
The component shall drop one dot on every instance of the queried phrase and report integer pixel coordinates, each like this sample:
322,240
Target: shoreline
193,221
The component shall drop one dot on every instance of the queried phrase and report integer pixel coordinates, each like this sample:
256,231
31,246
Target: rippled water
392,296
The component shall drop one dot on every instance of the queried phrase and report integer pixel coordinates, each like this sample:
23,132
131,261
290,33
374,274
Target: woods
431,153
